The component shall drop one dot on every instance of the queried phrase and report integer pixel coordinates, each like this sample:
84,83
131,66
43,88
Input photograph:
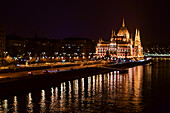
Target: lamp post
43,54
5,52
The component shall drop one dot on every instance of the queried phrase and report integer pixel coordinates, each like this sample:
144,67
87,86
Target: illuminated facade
121,45
69,49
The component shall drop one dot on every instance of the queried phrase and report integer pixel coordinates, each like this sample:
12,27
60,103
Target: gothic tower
123,24
112,36
137,38
100,40
138,47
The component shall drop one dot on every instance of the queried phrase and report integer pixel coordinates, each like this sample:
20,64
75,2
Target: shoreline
28,83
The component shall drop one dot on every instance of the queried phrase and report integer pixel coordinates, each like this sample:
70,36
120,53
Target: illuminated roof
105,42
123,31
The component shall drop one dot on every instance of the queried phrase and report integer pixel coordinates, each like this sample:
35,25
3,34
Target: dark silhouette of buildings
72,48
2,41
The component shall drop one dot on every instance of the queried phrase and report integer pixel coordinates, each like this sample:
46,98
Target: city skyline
90,19
84,56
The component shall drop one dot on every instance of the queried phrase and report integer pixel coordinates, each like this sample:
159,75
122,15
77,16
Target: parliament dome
123,31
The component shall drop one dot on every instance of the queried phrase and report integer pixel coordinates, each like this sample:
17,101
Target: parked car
45,71
30,73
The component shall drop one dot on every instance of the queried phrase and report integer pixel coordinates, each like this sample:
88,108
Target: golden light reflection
108,80
15,104
111,83
75,91
105,81
115,76
62,101
97,84
148,76
5,106
52,105
56,92
100,82
82,88
70,96
156,73
89,86
42,102
75,87
30,104
130,73
62,91
108,89
94,85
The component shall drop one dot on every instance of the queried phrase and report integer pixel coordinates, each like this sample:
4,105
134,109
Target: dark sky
86,18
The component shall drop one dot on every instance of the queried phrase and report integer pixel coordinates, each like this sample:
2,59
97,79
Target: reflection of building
121,45
2,40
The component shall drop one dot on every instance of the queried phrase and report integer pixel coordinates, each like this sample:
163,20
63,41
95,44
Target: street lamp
29,53
43,53
5,52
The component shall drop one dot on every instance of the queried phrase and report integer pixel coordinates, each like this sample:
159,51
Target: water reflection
15,104
42,102
52,104
5,106
30,104
104,92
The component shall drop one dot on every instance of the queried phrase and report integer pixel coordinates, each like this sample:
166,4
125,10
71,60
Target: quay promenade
23,70
19,81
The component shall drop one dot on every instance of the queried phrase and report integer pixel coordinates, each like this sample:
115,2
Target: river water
144,88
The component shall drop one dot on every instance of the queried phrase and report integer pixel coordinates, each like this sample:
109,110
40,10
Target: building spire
137,38
112,34
100,40
123,24
136,32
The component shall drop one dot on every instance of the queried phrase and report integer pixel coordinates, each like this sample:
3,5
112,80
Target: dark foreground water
144,88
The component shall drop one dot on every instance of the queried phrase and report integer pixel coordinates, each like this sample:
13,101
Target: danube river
144,88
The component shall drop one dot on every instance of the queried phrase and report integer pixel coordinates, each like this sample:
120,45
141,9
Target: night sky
86,18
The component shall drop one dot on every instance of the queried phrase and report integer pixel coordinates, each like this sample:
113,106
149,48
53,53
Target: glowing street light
5,52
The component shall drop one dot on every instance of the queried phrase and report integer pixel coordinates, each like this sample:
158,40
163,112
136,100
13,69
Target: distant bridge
156,55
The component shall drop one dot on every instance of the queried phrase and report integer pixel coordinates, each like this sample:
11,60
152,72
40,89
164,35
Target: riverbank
20,69
27,83
42,66
128,64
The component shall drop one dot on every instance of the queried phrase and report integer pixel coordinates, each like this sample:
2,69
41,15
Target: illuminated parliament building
121,45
